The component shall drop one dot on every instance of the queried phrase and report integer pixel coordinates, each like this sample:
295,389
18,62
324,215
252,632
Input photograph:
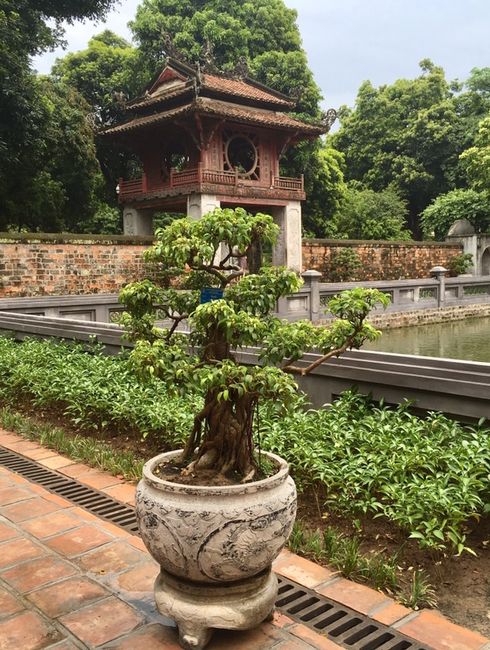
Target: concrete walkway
70,580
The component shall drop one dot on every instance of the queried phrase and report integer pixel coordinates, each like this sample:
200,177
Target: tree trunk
223,435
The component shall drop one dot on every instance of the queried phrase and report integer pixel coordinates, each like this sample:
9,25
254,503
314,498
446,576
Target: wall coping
72,238
377,242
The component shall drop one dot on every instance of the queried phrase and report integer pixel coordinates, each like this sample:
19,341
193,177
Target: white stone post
200,204
288,250
137,222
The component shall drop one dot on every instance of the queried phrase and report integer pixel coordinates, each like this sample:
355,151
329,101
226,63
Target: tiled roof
244,89
249,115
215,84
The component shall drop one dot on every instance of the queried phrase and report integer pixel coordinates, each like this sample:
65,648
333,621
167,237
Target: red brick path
70,580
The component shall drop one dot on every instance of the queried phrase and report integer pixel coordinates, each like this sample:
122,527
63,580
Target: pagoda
208,140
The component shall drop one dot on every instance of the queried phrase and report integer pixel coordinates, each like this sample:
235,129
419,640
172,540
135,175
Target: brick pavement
70,580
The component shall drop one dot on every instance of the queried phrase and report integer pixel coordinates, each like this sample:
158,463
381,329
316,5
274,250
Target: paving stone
111,558
55,462
67,596
51,524
64,645
309,636
98,480
7,532
77,541
74,471
18,550
264,637
138,543
13,495
391,613
141,578
37,573
102,622
8,604
280,620
303,571
358,597
29,509
26,631
42,452
435,630
125,493
154,637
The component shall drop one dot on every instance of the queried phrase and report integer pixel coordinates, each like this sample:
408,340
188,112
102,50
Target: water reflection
465,339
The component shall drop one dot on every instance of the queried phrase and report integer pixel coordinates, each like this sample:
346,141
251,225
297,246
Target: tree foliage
476,159
410,134
54,181
366,214
34,115
239,316
468,204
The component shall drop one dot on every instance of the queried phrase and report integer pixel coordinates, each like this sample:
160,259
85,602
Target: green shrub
427,476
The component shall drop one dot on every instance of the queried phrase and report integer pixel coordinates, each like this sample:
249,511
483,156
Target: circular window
241,154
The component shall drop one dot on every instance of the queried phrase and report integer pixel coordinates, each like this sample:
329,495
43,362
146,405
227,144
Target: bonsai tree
198,277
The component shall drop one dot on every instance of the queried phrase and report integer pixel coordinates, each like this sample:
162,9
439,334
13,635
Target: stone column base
198,608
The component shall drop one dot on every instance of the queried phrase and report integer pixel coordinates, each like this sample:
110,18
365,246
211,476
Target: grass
79,448
378,570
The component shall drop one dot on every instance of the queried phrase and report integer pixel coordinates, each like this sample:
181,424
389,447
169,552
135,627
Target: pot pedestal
197,608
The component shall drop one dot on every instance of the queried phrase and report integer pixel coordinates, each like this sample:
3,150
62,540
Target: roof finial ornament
171,50
207,57
328,118
241,70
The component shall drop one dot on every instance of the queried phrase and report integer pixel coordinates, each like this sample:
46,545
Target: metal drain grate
344,626
96,502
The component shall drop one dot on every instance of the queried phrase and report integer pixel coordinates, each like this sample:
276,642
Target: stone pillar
439,273
137,222
200,204
312,282
288,250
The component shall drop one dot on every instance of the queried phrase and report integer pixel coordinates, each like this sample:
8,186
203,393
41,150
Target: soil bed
462,584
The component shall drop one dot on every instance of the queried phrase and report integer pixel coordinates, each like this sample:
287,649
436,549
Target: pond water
465,339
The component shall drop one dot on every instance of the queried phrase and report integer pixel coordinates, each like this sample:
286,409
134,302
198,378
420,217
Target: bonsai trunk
222,434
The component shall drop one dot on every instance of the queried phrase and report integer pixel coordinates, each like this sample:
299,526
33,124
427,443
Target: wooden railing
291,184
196,176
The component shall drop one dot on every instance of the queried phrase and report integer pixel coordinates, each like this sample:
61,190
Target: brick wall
380,260
32,265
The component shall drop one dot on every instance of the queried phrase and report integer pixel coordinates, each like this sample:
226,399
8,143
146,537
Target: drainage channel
96,502
346,627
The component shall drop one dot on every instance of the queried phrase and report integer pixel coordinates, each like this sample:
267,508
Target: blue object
208,294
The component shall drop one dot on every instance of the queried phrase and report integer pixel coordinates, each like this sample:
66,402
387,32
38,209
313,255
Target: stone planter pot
215,546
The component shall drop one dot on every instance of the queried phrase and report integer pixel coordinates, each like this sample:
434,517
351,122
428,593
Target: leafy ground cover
429,476
371,476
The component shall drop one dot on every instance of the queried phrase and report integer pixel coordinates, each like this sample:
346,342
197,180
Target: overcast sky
349,41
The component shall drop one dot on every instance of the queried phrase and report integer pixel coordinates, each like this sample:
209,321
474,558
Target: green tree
366,214
106,73
222,435
28,27
407,135
468,204
57,177
476,159
325,186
